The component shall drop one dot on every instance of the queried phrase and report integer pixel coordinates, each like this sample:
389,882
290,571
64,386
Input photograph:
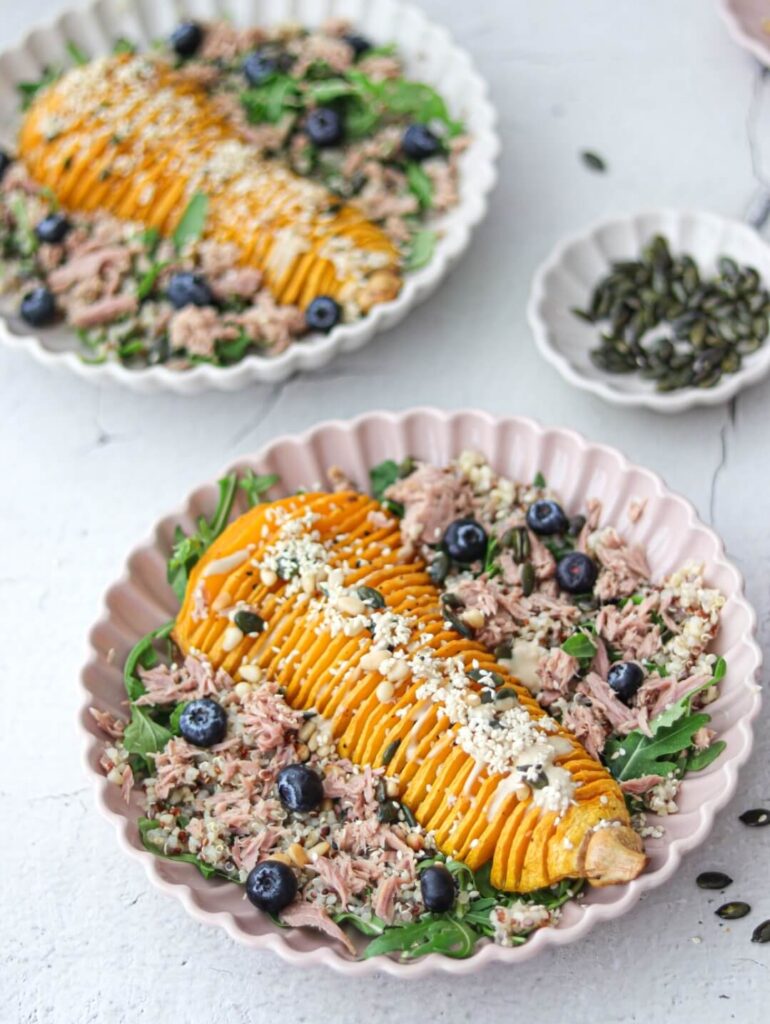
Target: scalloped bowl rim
672,402
740,34
326,954
318,350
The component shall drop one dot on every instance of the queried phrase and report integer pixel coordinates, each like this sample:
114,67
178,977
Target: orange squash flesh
132,137
449,793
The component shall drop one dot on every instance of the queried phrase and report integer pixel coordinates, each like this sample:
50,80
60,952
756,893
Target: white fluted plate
748,22
669,530
568,276
430,55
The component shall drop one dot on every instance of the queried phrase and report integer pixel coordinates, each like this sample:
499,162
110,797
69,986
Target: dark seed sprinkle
713,880
756,818
761,933
371,597
719,320
593,161
390,752
733,911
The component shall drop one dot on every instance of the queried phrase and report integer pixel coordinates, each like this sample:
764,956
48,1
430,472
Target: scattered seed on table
593,161
713,880
761,933
756,817
733,911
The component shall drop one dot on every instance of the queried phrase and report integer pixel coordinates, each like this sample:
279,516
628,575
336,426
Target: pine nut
473,699
231,638
308,581
222,600
385,691
319,850
392,788
414,841
268,577
283,858
307,729
398,670
298,855
473,617
373,659
242,690
351,604
303,752
251,673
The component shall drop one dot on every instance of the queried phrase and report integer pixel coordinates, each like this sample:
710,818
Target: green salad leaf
147,825
421,249
580,646
419,184
29,90
143,655
147,283
79,57
144,735
188,550
635,755
190,227
434,934
256,486
382,476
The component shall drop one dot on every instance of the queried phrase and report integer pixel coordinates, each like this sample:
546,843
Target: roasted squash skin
475,815
133,137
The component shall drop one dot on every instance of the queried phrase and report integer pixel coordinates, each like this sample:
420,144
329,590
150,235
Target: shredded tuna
110,724
103,311
640,786
307,915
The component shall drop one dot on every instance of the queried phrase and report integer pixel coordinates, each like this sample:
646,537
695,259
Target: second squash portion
134,138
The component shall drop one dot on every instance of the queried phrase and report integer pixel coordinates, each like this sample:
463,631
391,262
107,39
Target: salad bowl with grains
476,692
209,201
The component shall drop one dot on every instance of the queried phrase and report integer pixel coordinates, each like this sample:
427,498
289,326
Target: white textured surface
661,91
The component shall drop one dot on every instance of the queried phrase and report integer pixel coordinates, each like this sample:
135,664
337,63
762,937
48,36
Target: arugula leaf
635,755
420,101
330,89
144,735
29,90
256,486
123,45
433,934
25,236
176,714
419,184
371,926
269,102
188,550
147,283
79,57
234,350
147,825
190,227
539,480
580,646
701,759
421,249
382,476
143,655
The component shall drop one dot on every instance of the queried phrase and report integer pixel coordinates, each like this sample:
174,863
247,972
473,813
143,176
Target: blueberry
359,44
465,540
438,888
53,228
259,67
5,162
271,886
576,573
186,38
38,307
546,517
187,289
322,314
300,788
324,127
418,142
625,678
203,722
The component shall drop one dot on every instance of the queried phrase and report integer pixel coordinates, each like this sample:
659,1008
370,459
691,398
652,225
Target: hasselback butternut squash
133,137
363,640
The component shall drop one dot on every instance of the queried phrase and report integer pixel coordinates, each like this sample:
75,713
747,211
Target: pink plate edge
725,780
734,14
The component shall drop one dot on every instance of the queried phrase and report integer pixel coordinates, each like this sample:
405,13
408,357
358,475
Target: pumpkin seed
457,625
503,651
390,752
438,570
733,911
485,677
527,578
249,622
713,880
371,597
756,818
593,161
761,933
576,524
388,812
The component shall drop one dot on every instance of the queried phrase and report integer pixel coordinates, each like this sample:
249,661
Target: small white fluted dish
746,21
568,276
670,532
430,55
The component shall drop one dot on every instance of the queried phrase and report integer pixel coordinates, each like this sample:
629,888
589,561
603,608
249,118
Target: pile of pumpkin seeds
673,326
